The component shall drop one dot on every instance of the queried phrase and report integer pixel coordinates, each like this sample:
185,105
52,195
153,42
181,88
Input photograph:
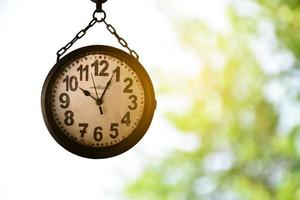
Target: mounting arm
99,4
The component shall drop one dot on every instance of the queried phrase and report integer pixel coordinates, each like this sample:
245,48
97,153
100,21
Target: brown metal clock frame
98,152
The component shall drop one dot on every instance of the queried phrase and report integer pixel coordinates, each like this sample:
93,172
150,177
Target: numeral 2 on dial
128,88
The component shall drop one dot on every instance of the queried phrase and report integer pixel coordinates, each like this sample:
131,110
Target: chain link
121,40
79,35
109,27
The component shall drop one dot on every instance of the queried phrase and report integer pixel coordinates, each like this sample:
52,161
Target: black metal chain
79,35
109,27
121,40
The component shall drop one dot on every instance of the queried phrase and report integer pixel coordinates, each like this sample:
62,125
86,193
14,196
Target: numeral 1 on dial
117,72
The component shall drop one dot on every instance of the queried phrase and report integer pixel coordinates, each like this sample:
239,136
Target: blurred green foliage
243,152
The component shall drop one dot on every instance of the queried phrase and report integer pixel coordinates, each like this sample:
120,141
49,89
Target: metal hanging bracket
99,4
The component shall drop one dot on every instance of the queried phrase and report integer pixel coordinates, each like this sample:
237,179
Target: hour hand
87,93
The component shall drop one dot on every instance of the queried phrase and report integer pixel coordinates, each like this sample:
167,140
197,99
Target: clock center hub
99,102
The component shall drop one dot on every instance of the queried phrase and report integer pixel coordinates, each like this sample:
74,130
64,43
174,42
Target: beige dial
97,100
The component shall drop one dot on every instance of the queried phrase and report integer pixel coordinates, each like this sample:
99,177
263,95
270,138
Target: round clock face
98,101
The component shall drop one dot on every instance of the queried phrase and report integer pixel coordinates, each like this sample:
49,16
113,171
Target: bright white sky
32,165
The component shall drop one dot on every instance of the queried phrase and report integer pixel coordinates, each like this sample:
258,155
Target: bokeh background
227,79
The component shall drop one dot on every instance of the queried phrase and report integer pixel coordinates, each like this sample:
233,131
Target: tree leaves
233,117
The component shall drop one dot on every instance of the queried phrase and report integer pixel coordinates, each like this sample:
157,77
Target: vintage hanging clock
98,101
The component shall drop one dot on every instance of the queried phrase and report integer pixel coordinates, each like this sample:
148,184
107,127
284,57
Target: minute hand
106,87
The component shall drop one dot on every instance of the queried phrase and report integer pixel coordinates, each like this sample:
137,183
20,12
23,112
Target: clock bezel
98,152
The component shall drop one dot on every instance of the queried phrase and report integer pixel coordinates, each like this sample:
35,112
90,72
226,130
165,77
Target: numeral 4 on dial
126,119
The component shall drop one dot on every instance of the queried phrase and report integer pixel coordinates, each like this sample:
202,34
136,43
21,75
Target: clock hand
100,109
87,93
98,101
106,87
94,86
